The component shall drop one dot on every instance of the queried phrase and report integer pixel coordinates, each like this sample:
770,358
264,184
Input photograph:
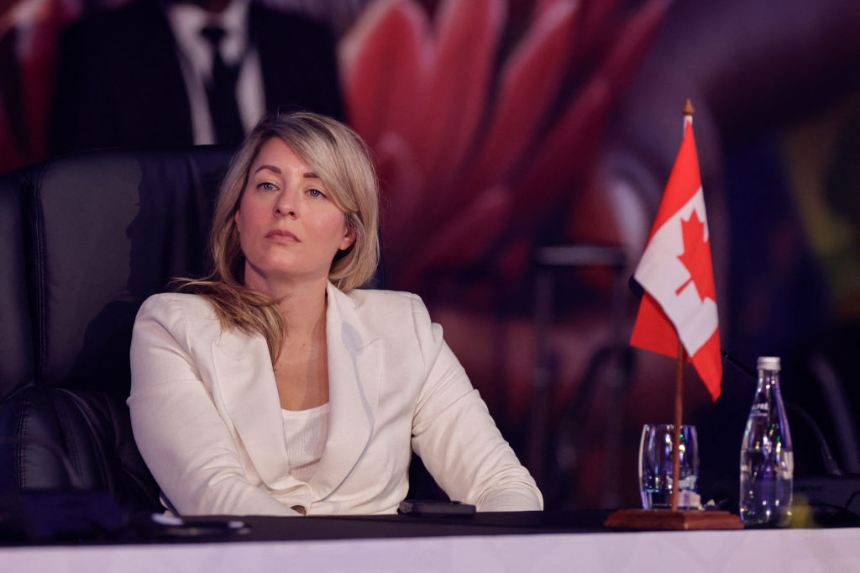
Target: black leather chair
83,241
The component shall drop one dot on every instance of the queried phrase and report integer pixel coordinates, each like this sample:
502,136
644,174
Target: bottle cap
768,363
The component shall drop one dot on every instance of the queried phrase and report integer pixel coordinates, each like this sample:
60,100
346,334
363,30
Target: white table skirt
800,550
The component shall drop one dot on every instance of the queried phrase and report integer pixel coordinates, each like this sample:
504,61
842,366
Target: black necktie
221,92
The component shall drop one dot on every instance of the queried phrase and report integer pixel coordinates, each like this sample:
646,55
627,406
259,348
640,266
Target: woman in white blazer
274,386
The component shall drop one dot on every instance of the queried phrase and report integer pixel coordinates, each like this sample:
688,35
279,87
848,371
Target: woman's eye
315,193
266,186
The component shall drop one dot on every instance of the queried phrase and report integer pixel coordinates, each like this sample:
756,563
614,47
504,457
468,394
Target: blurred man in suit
182,72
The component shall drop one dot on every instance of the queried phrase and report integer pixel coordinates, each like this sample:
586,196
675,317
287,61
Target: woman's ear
348,239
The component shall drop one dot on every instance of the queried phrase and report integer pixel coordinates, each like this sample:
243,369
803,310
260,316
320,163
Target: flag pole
679,415
688,112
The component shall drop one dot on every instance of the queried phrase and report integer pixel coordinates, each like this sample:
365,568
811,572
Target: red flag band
678,276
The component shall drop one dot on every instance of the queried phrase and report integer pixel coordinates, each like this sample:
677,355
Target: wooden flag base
667,520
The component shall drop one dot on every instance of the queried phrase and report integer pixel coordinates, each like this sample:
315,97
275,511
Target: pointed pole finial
688,108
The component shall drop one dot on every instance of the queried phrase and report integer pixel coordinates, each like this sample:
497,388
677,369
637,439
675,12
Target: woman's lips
282,236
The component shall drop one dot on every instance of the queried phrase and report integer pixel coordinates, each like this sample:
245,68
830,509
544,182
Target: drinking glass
655,467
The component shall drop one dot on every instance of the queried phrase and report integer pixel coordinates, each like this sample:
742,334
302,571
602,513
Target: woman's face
288,226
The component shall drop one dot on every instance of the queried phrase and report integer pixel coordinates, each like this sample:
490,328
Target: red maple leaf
697,258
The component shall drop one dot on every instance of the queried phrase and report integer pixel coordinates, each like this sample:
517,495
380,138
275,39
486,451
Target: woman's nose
286,204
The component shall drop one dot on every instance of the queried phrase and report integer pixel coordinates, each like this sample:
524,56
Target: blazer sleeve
456,437
183,439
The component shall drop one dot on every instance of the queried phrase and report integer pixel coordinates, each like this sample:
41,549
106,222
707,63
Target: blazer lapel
355,369
247,383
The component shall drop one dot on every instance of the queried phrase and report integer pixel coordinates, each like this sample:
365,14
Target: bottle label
758,409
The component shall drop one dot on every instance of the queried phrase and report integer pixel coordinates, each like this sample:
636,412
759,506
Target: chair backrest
83,241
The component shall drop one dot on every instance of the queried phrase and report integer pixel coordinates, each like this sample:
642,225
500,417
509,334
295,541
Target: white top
305,432
195,58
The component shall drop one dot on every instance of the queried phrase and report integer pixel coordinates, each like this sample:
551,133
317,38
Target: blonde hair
342,160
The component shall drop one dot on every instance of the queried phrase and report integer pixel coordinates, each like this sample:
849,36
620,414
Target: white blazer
207,418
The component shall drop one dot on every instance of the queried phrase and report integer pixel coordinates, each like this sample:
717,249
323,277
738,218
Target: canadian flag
678,276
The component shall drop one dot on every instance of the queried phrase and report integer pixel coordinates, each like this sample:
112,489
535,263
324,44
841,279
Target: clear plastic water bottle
767,458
